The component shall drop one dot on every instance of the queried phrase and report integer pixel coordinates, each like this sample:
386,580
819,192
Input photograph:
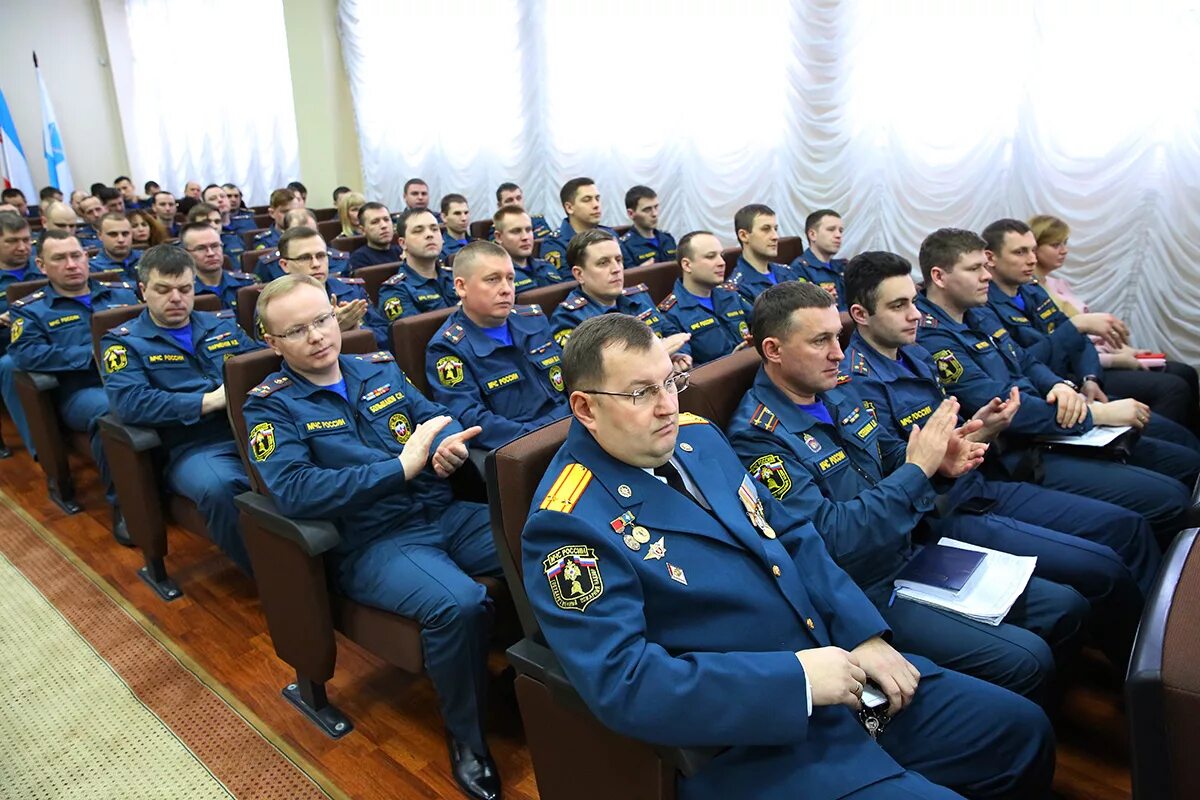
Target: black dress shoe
476,775
120,530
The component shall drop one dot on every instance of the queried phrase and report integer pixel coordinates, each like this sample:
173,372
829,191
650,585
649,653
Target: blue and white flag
56,159
14,169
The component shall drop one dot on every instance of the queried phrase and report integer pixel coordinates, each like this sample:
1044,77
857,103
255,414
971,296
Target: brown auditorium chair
621,230
249,259
247,300
790,248
717,387
374,276
324,214
248,237
36,389
549,704
548,296
290,570
330,229
1162,686
136,469
410,336
658,276
263,218
348,244
480,228
731,256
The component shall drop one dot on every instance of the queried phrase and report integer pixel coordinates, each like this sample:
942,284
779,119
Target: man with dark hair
377,470
703,305
380,247
758,233
581,202
16,264
50,193
129,195
651,553
645,243
112,200
163,206
300,190
977,360
806,435
457,216
422,282
338,192
302,251
184,403
237,205
823,229
596,262
116,241
267,268
51,332
282,201
203,244
231,229
493,363
510,194
91,209
151,188
416,197
513,229
15,198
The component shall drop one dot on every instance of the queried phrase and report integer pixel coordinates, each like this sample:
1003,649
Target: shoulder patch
246,276
378,357
397,279
353,281
858,363
668,303
575,304
268,256
29,298
337,253
574,576
270,387
764,418
529,310
949,368
771,472
688,418
729,286
629,291
226,313
927,321
567,488
116,284
454,334
843,378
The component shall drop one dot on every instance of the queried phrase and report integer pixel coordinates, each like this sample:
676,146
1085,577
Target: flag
13,167
56,159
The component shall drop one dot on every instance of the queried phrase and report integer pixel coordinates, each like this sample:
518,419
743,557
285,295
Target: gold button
775,570
811,626
685,447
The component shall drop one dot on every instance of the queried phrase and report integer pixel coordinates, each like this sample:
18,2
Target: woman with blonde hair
348,207
147,230
1174,391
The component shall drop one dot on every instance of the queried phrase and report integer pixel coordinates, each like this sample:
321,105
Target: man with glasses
16,251
493,363
346,438
267,269
203,244
302,251
164,370
691,609
51,332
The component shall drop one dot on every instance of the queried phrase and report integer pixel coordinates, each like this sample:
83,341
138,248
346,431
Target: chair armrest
43,381
538,662
135,437
313,536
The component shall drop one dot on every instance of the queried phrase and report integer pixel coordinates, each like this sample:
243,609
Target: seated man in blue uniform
758,233
302,251
416,197
59,216
645,243
977,361
116,240
823,230
510,194
422,282
513,230
348,439
237,206
267,268
596,262
456,213
90,211
281,202
16,249
164,206
493,363
51,332
1062,343
16,198
113,202
163,370
381,247
581,203
203,244
128,191
689,608
231,229
702,304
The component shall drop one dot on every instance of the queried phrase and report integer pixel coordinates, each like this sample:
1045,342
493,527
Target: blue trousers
423,572
211,475
1169,448
80,411
8,390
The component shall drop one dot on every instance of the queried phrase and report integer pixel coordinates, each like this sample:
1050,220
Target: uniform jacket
408,292
268,269
536,272
367,256
227,289
639,251
714,333
827,276
267,240
634,301
554,247
751,283
1045,332
102,262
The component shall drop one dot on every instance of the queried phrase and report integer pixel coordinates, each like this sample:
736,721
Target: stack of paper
989,593
1099,436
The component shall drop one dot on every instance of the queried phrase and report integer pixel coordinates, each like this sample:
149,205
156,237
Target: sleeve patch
771,473
449,370
262,441
573,573
949,368
567,488
18,327
116,358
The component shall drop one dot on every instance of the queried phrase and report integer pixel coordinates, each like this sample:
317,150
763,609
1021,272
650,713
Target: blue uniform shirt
717,327
227,288
408,292
450,246
1039,326
541,228
152,378
829,277
751,283
327,457
508,390
536,272
268,269
367,256
633,300
232,243
554,248
87,236
639,250
102,262
267,240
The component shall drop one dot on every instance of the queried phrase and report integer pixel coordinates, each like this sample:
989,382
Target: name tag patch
318,425
836,457
166,358
492,384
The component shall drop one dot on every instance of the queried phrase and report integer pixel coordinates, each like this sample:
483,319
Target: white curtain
211,95
905,115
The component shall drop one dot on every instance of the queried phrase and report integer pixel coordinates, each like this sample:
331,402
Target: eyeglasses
297,332
206,248
310,258
674,384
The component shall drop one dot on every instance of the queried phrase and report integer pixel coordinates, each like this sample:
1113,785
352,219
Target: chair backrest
244,372
324,214
347,244
717,387
330,228
105,320
791,248
513,474
247,300
248,236
263,219
731,256
479,228
621,230
410,337
374,276
548,296
249,259
16,291
659,276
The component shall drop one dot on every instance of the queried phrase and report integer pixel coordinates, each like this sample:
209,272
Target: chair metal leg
156,577
310,698
63,495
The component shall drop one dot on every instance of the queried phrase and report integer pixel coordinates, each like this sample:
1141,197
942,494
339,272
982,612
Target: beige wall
69,42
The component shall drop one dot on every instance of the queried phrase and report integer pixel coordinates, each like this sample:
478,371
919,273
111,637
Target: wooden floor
397,749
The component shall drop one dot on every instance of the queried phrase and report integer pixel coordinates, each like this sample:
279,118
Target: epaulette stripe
567,489
688,418
764,418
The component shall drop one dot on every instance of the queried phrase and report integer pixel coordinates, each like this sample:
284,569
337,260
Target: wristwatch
1069,383
1094,379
